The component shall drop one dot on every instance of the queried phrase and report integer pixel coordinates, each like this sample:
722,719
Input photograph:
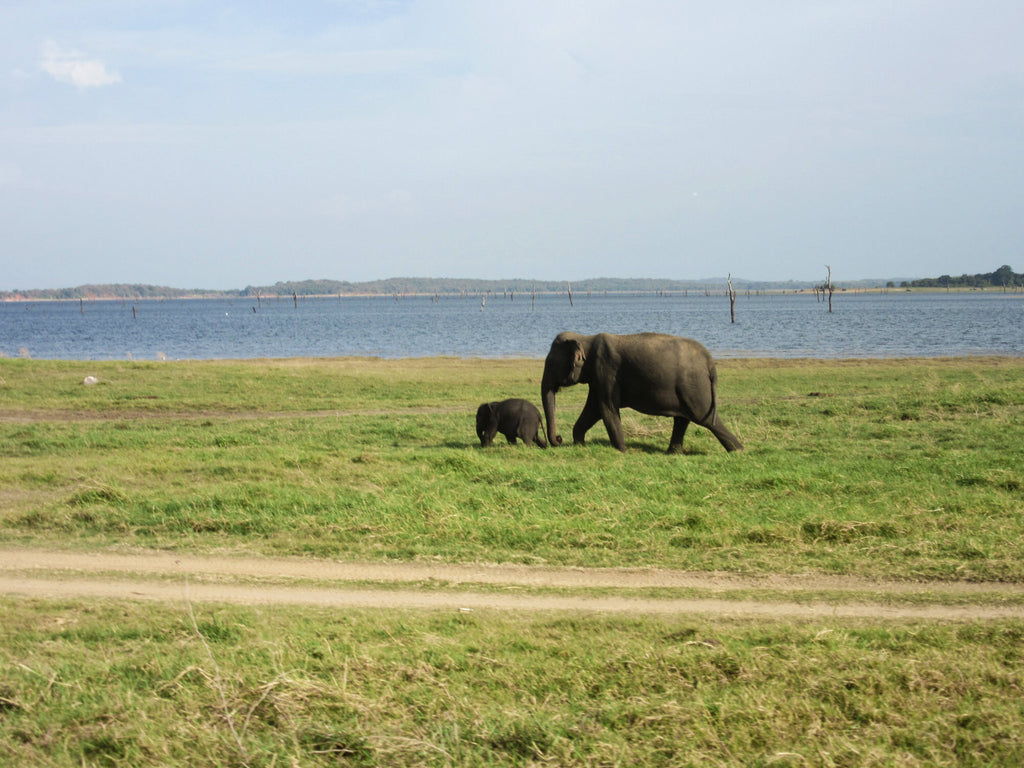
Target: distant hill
401,286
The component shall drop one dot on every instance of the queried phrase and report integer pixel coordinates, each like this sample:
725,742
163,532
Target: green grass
124,684
898,469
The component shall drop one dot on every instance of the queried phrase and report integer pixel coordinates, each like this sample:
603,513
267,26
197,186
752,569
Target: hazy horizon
419,283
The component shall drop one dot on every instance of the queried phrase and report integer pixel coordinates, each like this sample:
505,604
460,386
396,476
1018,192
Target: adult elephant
652,373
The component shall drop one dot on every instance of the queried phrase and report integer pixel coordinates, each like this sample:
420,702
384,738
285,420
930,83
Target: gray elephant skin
514,418
652,373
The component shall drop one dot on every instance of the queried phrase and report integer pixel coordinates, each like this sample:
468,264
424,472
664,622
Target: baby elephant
513,418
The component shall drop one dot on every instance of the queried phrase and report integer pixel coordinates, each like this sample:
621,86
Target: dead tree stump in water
732,299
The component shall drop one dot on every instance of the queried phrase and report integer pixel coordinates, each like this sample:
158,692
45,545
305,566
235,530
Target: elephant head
485,417
563,367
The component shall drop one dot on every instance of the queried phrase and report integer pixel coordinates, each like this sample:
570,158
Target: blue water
896,324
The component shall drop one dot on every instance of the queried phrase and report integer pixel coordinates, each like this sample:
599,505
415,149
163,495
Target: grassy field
897,469
128,684
888,469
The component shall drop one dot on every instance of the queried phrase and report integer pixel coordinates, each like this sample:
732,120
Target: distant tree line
1004,277
401,286
113,291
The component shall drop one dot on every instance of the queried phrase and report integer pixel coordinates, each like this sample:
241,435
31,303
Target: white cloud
75,69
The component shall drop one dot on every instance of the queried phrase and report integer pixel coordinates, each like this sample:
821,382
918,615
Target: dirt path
255,581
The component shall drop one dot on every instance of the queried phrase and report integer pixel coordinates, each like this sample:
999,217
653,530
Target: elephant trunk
548,389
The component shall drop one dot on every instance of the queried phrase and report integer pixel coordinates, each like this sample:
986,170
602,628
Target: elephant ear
579,357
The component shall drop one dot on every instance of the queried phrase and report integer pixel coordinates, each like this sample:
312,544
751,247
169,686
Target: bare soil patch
249,580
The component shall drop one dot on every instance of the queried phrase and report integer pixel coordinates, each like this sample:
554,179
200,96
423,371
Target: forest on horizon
1003,277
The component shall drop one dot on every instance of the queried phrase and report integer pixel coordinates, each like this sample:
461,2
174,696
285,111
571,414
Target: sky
199,144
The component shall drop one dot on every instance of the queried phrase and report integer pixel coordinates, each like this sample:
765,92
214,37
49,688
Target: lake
894,324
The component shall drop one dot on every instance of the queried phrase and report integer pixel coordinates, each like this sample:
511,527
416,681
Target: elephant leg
588,418
613,423
728,440
675,444
528,434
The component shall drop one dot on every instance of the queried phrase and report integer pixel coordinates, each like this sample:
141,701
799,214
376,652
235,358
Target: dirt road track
266,581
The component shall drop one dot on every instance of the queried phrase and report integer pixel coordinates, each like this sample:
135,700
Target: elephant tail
709,417
728,440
